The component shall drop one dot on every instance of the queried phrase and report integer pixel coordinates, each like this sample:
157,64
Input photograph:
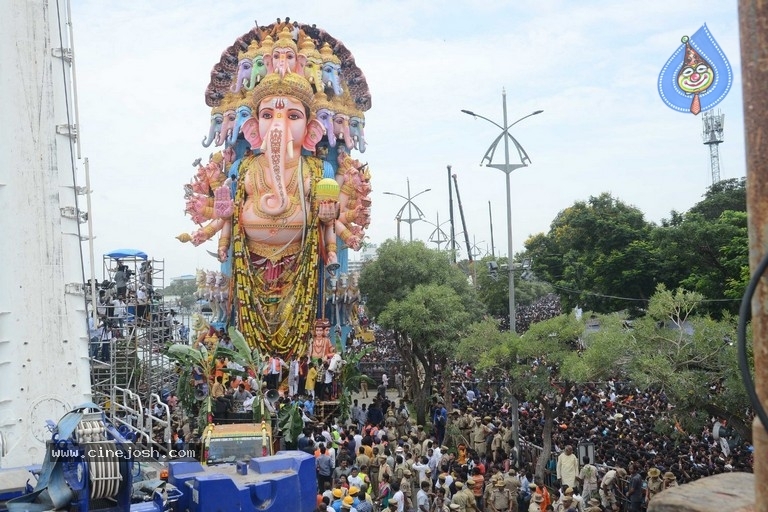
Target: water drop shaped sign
697,76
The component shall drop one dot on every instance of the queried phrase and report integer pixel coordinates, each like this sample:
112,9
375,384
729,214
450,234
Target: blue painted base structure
285,482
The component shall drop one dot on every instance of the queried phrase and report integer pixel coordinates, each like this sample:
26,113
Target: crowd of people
606,454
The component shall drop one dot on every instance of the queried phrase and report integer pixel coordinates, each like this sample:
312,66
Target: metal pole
410,215
450,213
511,273
753,17
490,219
508,171
398,229
463,220
90,243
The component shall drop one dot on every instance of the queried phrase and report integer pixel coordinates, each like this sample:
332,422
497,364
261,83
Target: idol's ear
314,134
301,61
251,133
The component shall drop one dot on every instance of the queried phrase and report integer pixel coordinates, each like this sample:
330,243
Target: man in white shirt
422,466
142,299
398,497
422,498
293,377
567,467
354,478
94,334
328,384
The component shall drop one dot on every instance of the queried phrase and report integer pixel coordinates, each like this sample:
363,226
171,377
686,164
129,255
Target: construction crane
463,222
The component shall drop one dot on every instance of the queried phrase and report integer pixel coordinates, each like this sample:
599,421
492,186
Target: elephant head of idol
244,67
331,71
285,57
324,113
344,111
258,64
313,64
280,126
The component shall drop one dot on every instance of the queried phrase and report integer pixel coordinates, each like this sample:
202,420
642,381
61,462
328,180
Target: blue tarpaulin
127,253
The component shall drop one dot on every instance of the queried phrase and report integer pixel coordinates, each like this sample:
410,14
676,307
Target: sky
591,66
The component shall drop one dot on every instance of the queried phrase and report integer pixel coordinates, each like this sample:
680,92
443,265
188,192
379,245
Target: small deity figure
321,346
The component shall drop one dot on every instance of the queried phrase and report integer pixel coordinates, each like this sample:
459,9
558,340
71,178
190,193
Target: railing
131,407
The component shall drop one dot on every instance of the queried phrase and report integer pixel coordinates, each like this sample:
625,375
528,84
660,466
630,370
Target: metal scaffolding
129,360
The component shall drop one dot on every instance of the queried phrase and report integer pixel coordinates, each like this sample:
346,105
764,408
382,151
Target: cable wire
595,294
741,342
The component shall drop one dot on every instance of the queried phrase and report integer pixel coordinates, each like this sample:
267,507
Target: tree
539,364
595,253
692,359
723,196
709,256
673,349
427,302
184,289
599,253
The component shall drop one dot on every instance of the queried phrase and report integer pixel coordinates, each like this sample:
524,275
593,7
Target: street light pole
508,168
507,171
410,205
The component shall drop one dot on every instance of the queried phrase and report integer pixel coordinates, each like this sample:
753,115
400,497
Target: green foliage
595,250
251,360
188,357
185,290
290,423
601,251
605,341
433,315
706,256
691,358
723,196
400,267
482,346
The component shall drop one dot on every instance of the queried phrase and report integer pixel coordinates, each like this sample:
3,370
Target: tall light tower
438,236
712,134
507,167
408,204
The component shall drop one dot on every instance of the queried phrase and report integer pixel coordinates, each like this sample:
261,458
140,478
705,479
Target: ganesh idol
282,216
285,217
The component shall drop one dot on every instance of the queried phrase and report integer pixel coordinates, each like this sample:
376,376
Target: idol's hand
328,211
